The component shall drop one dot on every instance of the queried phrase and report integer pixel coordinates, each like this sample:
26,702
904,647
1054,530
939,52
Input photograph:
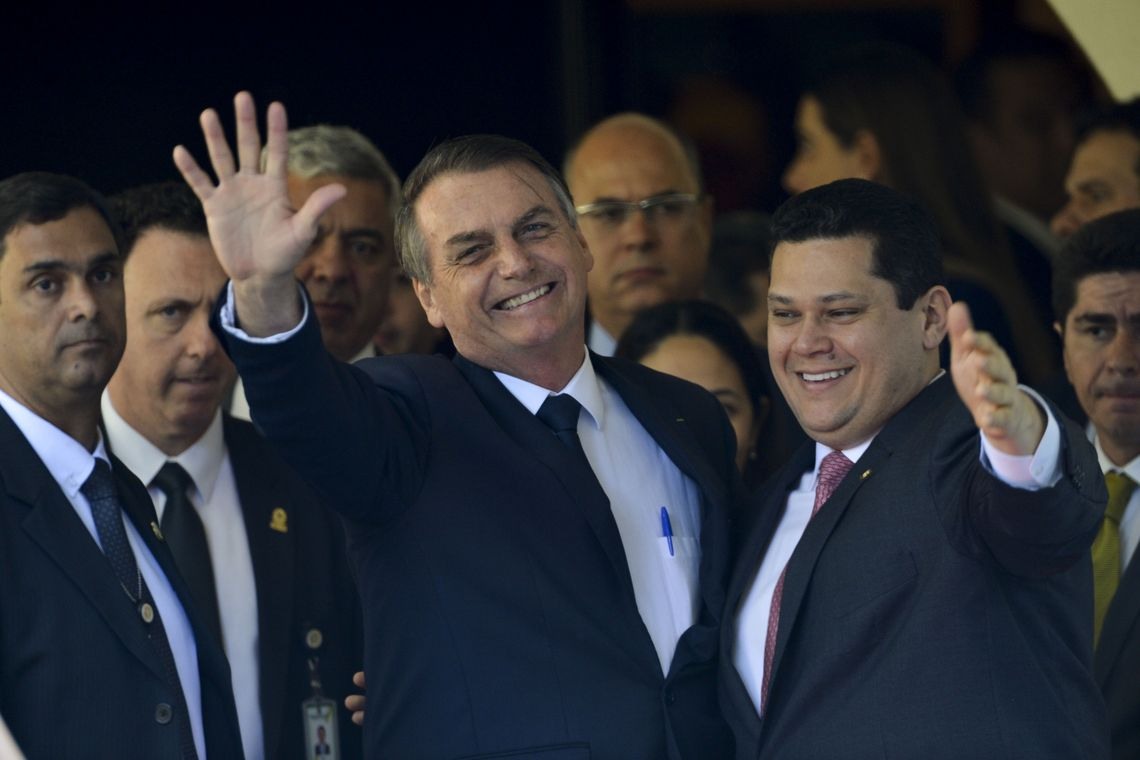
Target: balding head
641,259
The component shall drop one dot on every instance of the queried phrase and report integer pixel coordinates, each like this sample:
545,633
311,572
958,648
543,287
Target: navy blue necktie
186,538
105,508
560,414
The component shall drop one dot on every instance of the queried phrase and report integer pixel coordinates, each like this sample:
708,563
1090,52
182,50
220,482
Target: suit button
163,713
670,697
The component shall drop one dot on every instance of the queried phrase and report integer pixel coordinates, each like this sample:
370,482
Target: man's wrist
265,306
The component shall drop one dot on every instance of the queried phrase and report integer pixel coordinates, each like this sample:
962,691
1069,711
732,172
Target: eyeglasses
659,209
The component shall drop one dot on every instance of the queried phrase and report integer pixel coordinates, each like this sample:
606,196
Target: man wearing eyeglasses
647,222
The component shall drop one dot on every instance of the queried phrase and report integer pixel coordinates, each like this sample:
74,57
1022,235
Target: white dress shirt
1040,470
214,496
639,479
70,464
1130,520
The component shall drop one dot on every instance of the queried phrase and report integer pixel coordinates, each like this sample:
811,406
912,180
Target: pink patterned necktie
832,470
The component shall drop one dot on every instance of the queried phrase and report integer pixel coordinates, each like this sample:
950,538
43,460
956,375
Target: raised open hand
987,385
257,235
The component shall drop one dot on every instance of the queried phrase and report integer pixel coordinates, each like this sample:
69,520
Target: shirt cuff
1042,469
228,319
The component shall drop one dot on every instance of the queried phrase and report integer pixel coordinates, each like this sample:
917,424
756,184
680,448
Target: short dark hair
464,155
165,205
905,248
705,319
42,197
1108,244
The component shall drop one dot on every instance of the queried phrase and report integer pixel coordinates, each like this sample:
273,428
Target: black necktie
104,500
187,541
560,414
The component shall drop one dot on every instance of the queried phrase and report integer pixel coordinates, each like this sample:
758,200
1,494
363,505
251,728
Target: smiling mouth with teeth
525,298
820,377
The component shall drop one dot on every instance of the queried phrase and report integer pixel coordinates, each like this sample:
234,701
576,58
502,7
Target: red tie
831,471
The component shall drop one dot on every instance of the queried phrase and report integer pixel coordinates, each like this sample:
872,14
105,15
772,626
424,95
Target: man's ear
868,156
935,306
423,292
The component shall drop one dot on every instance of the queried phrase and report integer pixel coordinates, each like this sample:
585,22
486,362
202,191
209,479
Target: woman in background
700,342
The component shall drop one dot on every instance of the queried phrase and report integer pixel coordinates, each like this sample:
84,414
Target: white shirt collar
854,452
600,341
202,461
69,463
367,352
583,386
1132,469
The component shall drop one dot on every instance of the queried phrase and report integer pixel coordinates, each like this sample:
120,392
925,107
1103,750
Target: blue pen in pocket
667,530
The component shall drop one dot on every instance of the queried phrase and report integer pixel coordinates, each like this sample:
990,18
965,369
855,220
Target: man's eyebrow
842,295
370,232
530,214
1093,184
49,265
656,194
1095,318
461,238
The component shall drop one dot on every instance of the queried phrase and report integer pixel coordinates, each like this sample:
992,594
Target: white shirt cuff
228,319
1042,469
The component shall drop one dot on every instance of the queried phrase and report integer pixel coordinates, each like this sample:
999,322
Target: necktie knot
100,484
560,413
172,479
832,470
1120,488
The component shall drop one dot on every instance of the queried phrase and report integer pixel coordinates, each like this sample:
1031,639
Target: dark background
105,95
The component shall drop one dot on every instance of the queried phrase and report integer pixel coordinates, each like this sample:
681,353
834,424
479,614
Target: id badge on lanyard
322,738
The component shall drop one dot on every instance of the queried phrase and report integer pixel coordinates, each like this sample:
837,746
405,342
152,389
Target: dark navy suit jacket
929,610
78,676
500,617
307,604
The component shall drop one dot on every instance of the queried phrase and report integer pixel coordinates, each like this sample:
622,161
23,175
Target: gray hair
325,149
465,155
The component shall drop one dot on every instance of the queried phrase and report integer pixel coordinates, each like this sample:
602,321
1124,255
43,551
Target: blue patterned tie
104,500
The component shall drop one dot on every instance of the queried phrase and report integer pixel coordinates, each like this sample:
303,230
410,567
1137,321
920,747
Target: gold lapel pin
866,474
279,521
156,530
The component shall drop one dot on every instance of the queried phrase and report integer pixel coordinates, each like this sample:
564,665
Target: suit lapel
52,523
534,438
898,433
1121,621
769,504
273,552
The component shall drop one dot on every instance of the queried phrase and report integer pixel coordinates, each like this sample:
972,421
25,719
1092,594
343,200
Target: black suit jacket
1117,664
929,610
305,594
499,613
78,676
